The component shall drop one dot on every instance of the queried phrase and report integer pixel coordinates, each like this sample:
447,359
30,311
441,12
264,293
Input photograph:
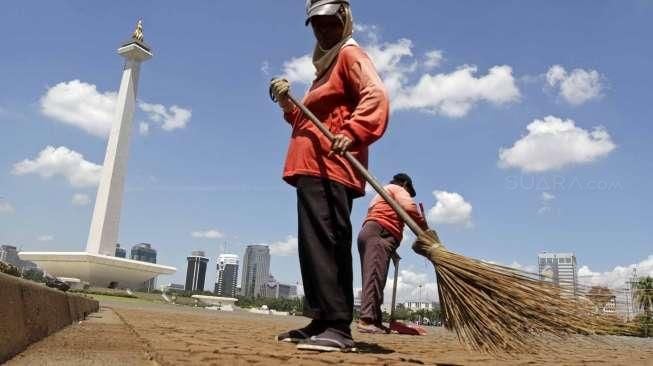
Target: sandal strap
341,345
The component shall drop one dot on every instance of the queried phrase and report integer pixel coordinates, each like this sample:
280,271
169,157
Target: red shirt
350,98
381,212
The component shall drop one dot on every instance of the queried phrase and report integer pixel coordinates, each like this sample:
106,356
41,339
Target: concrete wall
30,311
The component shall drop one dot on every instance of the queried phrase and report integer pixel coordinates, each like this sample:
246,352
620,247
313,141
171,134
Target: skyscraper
559,268
145,253
120,252
277,290
256,270
9,254
227,276
196,271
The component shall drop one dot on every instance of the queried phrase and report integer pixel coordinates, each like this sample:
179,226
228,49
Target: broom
492,308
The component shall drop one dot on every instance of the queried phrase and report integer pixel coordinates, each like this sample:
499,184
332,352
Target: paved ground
140,333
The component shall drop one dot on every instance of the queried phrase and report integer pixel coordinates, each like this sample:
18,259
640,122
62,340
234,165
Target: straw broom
492,308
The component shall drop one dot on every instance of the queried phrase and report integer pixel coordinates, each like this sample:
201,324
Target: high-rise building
145,253
120,252
227,276
419,305
559,268
9,254
274,289
196,271
256,270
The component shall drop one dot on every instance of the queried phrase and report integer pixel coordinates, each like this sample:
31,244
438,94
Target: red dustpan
395,325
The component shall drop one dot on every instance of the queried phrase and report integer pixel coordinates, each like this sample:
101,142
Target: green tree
643,297
33,274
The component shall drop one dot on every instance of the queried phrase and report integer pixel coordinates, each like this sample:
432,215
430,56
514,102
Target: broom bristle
498,309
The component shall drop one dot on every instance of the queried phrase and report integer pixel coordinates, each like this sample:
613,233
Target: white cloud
454,94
369,31
450,208
411,286
6,207
61,161
80,104
81,199
617,277
433,59
207,234
451,94
284,248
369,189
388,60
299,70
526,268
553,143
170,119
144,129
577,86
45,238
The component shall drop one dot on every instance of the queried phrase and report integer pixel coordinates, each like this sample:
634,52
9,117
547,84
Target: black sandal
297,335
331,340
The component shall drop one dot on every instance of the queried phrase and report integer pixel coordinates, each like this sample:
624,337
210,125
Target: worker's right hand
279,89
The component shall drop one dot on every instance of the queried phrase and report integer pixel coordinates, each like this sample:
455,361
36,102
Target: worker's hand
340,144
279,89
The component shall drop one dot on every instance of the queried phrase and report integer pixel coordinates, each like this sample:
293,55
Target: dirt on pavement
126,333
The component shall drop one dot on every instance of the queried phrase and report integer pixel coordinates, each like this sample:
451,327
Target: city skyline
226,283
207,147
196,271
255,271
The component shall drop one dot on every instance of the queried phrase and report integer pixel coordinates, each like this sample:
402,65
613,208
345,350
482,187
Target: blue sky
525,126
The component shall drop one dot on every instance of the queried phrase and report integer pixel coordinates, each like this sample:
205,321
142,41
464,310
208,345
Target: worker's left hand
340,144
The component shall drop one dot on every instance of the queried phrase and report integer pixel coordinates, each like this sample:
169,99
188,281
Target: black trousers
325,236
376,246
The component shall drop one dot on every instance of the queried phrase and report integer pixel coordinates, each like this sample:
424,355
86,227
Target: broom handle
361,169
395,260
421,208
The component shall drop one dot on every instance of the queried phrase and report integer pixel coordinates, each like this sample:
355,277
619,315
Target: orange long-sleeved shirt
381,212
350,98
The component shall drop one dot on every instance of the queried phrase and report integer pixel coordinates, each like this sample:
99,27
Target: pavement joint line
151,353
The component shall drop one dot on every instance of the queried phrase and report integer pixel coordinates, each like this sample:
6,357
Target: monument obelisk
103,234
98,265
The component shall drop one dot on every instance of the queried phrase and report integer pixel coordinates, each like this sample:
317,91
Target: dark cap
322,7
403,178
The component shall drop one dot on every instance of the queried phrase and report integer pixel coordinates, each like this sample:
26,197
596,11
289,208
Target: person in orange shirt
377,241
349,97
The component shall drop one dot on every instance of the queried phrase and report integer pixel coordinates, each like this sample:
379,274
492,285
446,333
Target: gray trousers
375,246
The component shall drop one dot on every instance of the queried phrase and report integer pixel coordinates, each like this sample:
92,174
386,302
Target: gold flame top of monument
138,32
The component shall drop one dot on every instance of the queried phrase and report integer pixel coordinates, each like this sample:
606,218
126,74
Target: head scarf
322,59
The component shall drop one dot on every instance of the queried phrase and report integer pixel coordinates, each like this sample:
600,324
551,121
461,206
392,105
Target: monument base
220,303
96,269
